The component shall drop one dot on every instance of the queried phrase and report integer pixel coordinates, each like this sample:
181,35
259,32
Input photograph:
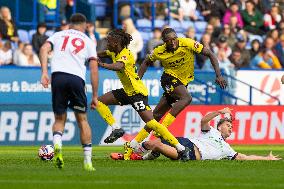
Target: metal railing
226,94
132,5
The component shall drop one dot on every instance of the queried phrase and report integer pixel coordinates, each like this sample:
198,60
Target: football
46,152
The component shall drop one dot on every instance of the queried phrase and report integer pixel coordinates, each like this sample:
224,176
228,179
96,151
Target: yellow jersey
130,80
180,63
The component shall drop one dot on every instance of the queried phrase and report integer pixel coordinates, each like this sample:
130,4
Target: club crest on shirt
124,57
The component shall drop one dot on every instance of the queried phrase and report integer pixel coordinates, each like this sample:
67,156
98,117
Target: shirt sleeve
194,45
153,55
92,52
230,153
52,38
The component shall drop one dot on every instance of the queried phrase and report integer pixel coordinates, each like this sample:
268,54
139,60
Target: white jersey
72,49
212,146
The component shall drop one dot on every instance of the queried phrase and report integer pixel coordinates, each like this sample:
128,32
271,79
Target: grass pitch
21,168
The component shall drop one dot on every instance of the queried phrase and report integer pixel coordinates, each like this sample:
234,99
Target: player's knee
157,146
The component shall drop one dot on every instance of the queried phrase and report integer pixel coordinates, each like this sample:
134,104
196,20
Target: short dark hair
222,120
78,18
167,31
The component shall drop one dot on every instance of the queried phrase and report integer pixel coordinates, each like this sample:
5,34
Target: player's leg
158,112
184,99
78,102
59,88
147,117
115,97
103,109
86,139
156,147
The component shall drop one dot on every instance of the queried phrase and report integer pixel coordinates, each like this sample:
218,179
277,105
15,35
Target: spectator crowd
242,33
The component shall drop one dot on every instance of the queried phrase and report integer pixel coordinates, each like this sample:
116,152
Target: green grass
21,168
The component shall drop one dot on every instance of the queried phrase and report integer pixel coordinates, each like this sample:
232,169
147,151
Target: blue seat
145,35
144,25
31,33
180,35
49,33
176,25
159,23
186,24
24,36
200,26
198,36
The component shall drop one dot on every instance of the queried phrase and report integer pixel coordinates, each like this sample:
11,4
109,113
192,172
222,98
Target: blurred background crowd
244,34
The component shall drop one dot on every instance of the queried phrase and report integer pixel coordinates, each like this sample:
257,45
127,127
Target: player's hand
221,82
94,102
272,157
44,80
282,79
226,110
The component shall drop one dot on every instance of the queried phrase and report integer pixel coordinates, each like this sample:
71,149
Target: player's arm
214,61
102,54
94,81
206,119
118,66
43,57
282,79
145,64
270,156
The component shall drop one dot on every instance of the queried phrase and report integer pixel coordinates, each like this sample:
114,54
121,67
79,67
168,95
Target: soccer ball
46,152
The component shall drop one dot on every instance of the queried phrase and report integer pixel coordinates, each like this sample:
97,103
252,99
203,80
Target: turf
21,168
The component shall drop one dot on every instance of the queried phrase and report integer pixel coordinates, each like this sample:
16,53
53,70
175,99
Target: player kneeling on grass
210,145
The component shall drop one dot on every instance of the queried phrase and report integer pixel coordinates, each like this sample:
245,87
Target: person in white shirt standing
71,49
210,145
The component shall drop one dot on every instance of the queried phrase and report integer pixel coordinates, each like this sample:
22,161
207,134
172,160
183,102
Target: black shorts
169,83
186,143
138,101
68,90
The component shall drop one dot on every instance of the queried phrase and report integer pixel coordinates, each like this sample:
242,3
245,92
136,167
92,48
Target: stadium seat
200,26
24,36
144,23
49,32
186,24
176,25
180,35
159,23
146,35
31,33
198,36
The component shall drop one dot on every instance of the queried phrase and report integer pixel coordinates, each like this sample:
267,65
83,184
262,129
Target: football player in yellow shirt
177,57
133,92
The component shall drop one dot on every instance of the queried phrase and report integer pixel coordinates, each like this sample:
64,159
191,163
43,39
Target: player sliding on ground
71,49
134,92
177,57
209,145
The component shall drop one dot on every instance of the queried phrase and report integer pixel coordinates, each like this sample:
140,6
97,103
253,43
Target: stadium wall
26,116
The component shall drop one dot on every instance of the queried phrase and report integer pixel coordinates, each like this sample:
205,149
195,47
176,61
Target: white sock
134,144
115,126
150,155
87,153
180,147
57,138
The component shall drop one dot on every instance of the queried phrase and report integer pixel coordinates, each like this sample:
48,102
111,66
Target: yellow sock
169,119
163,131
141,135
105,112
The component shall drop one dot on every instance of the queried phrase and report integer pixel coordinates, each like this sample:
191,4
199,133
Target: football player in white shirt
71,50
210,145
